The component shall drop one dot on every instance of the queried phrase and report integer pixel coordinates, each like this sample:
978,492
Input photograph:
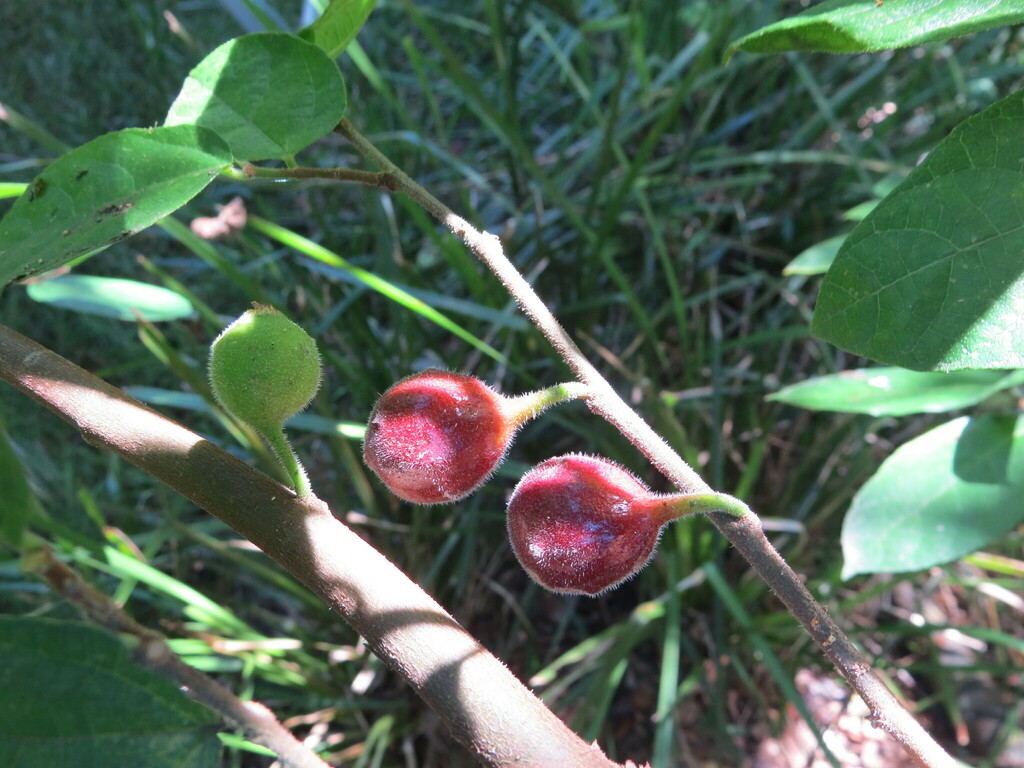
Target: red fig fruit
436,436
582,524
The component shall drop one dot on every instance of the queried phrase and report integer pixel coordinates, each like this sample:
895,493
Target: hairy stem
289,460
744,532
483,704
256,720
677,505
384,180
523,408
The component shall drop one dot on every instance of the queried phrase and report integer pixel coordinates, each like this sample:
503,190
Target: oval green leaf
861,211
338,25
858,26
817,259
941,496
112,297
74,697
933,278
268,95
896,391
105,191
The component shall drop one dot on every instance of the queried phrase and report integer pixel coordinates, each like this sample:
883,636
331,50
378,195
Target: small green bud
264,369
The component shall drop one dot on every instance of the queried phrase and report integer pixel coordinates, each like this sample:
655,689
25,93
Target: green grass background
653,196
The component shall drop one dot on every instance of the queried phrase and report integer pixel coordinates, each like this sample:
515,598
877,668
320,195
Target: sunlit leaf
856,26
338,25
939,497
933,278
896,391
105,191
111,297
268,95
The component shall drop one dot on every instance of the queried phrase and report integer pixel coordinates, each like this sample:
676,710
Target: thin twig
258,722
483,704
381,179
744,532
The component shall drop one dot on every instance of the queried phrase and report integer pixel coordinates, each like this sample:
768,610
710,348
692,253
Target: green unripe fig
264,368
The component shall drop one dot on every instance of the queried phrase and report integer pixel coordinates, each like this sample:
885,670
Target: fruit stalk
523,408
674,506
290,461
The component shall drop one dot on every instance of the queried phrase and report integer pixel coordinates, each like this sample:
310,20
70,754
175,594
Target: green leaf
932,278
939,497
817,259
268,95
73,696
896,391
338,25
371,280
104,191
861,211
18,503
857,26
111,297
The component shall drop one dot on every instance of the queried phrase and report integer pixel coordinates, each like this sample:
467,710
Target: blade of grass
375,745
210,318
735,607
9,189
370,280
208,253
32,130
668,680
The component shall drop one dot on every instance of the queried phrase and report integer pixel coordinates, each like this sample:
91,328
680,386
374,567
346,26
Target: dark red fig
436,436
582,524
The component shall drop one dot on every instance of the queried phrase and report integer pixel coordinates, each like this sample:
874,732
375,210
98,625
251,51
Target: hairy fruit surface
264,368
582,524
436,436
